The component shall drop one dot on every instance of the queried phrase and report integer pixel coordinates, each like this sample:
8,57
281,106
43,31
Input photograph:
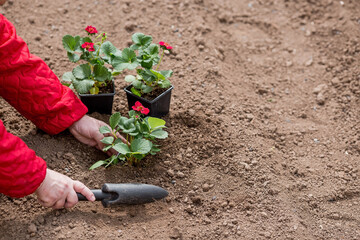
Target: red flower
165,45
88,46
140,108
91,30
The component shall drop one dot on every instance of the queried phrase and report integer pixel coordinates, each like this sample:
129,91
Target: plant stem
114,134
162,55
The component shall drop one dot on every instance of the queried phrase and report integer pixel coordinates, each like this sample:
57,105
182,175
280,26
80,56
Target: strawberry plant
144,56
98,57
141,133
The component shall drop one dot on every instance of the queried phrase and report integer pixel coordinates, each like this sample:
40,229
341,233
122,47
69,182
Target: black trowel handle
112,194
99,195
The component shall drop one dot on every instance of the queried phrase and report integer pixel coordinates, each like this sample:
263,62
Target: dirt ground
264,121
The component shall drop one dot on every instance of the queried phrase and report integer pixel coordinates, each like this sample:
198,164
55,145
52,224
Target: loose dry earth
264,123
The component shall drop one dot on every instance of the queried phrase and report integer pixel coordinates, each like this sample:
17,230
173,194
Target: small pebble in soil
41,220
31,20
176,233
32,228
205,187
171,173
224,204
180,174
171,210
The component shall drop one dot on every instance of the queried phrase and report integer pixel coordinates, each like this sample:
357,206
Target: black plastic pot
158,107
101,103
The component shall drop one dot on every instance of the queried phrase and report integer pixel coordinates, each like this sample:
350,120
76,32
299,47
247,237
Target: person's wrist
73,126
43,182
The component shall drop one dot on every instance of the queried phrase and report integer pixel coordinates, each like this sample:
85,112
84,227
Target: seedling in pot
96,55
148,56
141,133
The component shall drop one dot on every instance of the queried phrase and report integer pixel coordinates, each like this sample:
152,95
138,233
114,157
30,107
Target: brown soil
154,94
264,122
109,88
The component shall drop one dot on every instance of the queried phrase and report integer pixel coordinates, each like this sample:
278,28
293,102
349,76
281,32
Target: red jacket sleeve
21,171
29,85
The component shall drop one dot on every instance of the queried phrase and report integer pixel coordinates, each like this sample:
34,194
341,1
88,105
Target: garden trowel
112,194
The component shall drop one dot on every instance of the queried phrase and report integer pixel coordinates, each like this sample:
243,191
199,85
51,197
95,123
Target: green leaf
83,86
154,150
115,73
137,84
111,160
122,148
165,84
126,61
153,49
107,140
98,164
101,73
134,47
146,88
94,90
105,149
108,49
158,74
147,75
82,71
73,57
130,78
141,146
114,120
71,44
104,129
155,123
147,64
161,134
68,77
166,73
118,140
141,40
135,91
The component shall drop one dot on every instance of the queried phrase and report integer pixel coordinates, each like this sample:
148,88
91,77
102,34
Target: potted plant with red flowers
93,78
150,86
141,134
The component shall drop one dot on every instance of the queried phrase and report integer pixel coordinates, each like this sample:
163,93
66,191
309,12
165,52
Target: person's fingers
59,204
45,204
111,152
81,188
71,199
97,137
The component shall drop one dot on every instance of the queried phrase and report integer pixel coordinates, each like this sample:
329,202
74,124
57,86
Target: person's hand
59,191
86,130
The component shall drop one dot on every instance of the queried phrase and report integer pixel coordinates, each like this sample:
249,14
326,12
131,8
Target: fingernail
92,198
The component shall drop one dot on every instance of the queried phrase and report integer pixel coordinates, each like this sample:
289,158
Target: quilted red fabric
28,84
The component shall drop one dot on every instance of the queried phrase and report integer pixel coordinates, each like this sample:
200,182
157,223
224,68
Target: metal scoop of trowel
112,194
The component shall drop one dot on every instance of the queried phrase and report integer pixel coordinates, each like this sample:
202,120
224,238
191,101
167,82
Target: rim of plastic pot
152,101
